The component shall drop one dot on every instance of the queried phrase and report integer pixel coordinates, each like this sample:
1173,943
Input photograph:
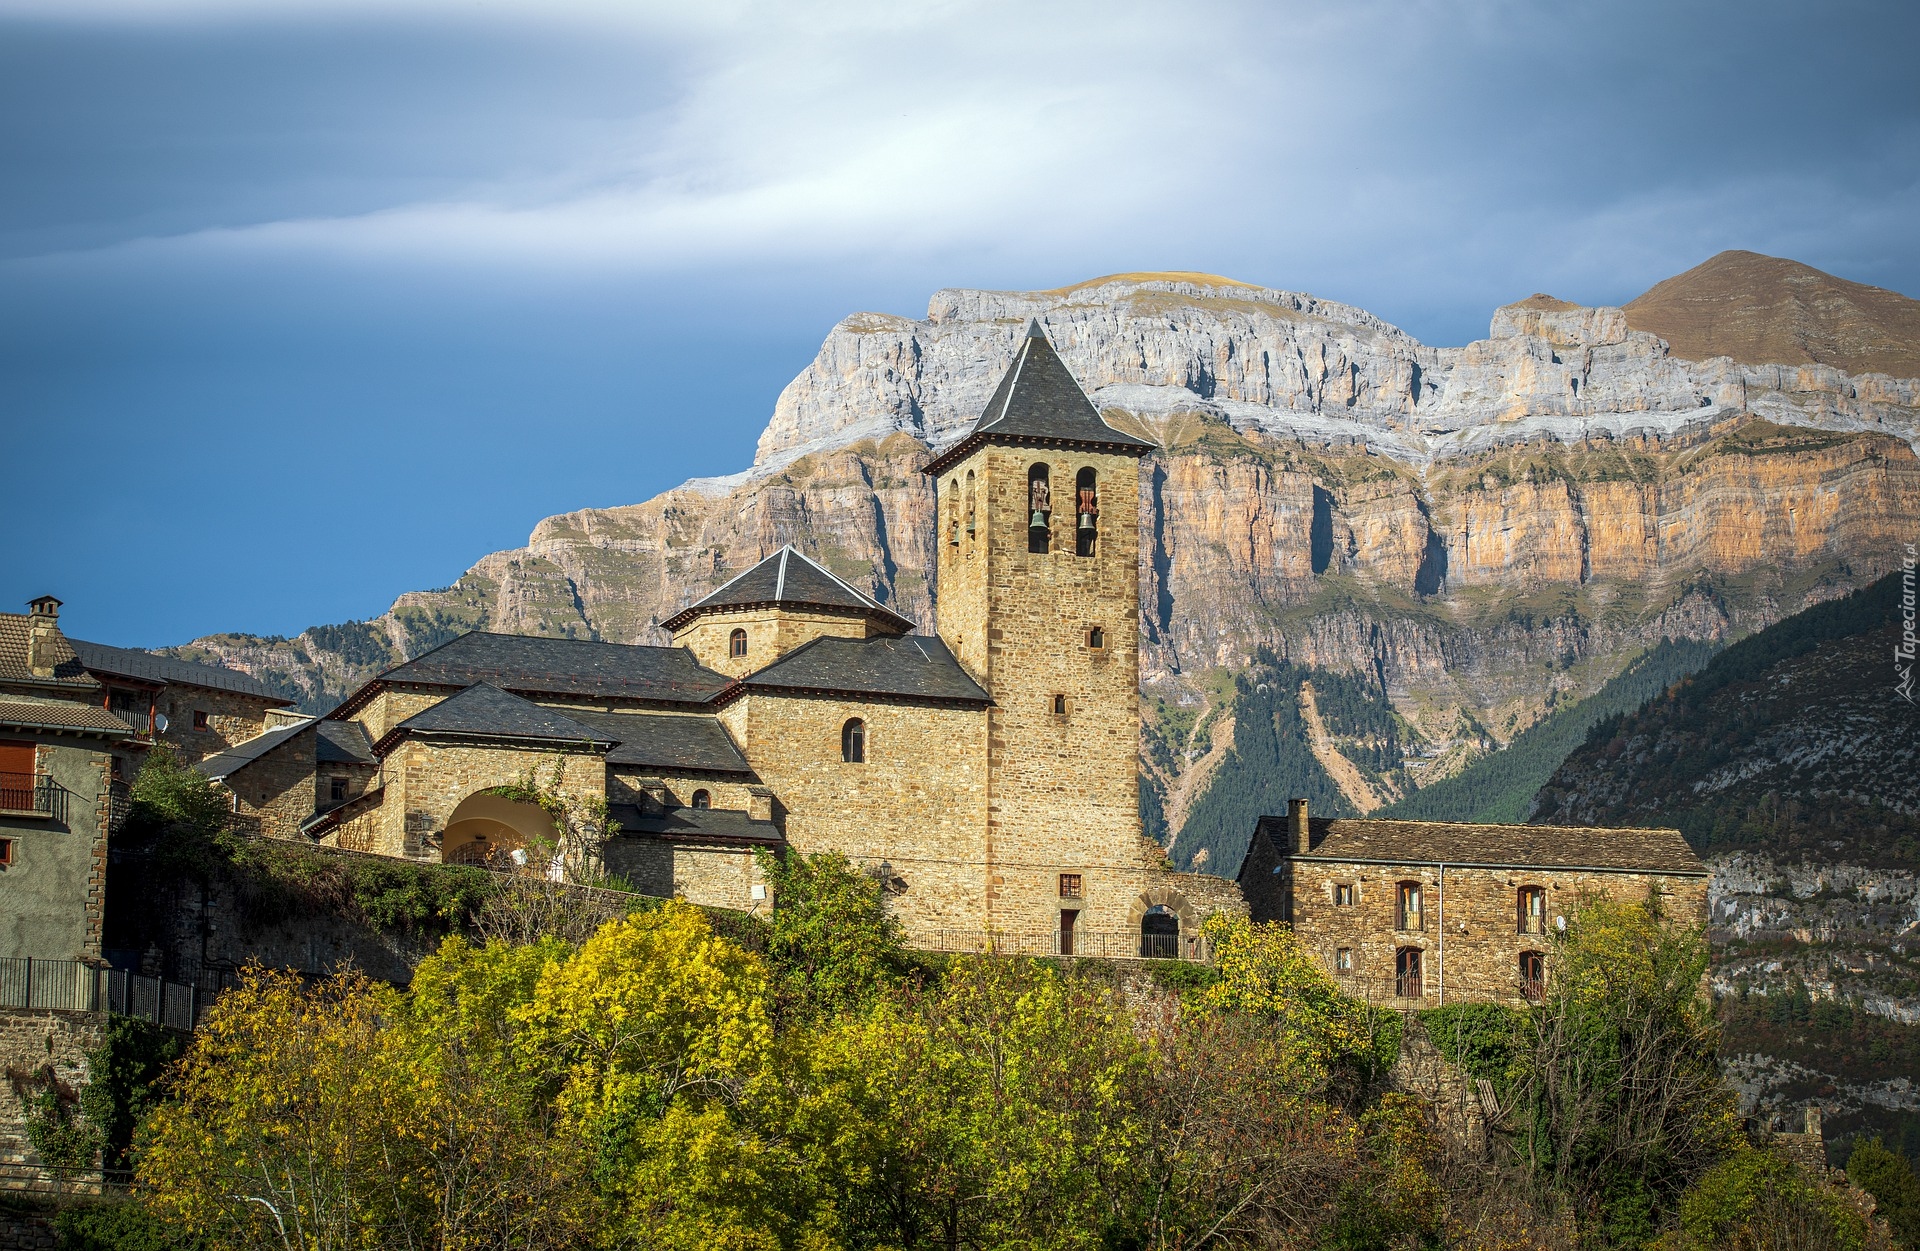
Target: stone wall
918,802
625,786
392,706
231,718
1469,934
30,1042
771,633
716,876
280,789
427,781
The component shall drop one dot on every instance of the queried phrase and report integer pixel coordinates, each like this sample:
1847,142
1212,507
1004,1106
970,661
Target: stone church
985,774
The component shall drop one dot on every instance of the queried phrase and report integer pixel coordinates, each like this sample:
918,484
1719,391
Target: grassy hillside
1501,786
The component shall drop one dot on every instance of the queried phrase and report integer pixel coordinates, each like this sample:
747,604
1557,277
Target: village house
1415,914
984,774
76,722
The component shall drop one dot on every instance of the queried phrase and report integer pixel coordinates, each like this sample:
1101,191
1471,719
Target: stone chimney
1299,839
760,803
43,628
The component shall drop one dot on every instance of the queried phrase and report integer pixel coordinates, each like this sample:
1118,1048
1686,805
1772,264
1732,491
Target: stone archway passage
487,830
1165,921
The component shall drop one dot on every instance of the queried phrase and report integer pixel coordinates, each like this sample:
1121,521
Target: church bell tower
1038,596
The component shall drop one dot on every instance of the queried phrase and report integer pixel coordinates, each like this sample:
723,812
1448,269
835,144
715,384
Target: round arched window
737,643
853,741
702,800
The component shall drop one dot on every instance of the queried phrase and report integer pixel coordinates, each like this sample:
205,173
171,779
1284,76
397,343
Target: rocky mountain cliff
1482,533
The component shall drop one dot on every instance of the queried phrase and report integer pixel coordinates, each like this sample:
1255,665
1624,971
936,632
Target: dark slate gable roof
548,666
693,825
129,662
1039,403
667,740
1492,846
486,711
237,757
15,633
789,579
913,666
343,742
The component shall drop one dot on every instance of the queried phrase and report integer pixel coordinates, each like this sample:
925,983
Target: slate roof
913,666
226,763
1039,403
50,716
788,579
343,742
693,825
1491,846
485,711
549,666
667,740
128,662
67,669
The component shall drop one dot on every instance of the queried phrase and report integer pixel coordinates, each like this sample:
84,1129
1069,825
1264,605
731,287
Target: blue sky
305,305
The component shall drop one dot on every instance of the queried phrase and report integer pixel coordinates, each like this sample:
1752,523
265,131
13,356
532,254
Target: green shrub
118,1226
1888,1176
1758,1199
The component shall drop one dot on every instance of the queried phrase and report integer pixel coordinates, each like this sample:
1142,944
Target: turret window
1086,513
853,741
1040,509
737,644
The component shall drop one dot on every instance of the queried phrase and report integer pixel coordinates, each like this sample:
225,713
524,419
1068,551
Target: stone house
985,774
196,710
1414,914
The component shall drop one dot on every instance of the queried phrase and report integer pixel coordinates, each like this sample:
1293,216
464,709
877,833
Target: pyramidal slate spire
1039,404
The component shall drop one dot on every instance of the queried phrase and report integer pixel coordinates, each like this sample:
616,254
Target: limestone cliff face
1483,530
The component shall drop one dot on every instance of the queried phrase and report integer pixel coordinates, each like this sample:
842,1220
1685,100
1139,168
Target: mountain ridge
1482,532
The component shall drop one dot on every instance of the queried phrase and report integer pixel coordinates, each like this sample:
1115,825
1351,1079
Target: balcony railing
1100,944
74,986
33,792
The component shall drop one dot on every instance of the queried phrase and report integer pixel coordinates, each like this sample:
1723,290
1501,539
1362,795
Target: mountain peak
1763,310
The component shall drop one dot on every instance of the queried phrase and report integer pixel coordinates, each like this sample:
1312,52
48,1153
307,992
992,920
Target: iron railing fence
63,1180
33,792
75,986
1093,944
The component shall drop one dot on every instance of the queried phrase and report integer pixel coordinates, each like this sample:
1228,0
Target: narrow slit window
1040,509
853,741
953,513
1059,705
1097,639
1086,513
737,644
971,524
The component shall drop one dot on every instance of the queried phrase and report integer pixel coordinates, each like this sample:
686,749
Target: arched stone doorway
1165,922
487,830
